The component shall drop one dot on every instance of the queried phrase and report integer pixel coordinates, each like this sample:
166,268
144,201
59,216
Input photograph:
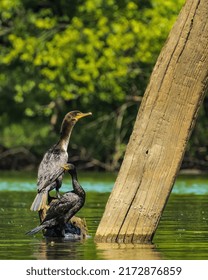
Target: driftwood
75,229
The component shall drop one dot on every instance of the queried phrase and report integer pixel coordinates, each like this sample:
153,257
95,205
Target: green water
182,232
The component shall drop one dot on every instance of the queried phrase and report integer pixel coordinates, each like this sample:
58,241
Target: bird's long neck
76,186
66,130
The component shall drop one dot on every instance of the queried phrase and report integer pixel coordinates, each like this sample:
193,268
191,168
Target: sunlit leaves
96,52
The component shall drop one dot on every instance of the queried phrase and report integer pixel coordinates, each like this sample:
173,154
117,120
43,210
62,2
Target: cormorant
54,162
62,209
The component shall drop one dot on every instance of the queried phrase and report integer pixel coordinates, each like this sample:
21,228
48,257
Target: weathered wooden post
161,131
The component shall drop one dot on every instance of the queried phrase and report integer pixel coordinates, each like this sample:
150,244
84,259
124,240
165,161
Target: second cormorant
62,209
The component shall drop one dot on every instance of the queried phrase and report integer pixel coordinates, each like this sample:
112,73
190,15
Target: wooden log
161,131
75,229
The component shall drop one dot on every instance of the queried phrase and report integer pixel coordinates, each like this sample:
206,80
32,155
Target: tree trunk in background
161,131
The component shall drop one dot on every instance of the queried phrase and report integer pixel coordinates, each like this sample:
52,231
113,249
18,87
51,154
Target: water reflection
58,248
128,251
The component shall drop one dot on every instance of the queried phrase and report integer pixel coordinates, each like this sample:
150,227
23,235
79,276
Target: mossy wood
161,131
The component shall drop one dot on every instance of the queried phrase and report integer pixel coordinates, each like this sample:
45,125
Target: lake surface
182,232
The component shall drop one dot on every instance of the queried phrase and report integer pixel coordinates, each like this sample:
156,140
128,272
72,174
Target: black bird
62,209
54,162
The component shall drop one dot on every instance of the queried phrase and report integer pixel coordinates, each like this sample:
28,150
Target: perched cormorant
54,162
62,209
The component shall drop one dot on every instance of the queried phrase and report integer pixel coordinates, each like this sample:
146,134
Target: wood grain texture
161,131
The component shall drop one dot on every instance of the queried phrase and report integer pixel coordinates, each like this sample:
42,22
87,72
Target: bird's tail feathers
35,230
39,202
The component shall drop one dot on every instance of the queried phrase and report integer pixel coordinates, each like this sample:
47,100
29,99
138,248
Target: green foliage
197,150
26,134
94,52
57,56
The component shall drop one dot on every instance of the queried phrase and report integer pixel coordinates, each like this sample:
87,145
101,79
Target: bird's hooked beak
68,166
82,115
